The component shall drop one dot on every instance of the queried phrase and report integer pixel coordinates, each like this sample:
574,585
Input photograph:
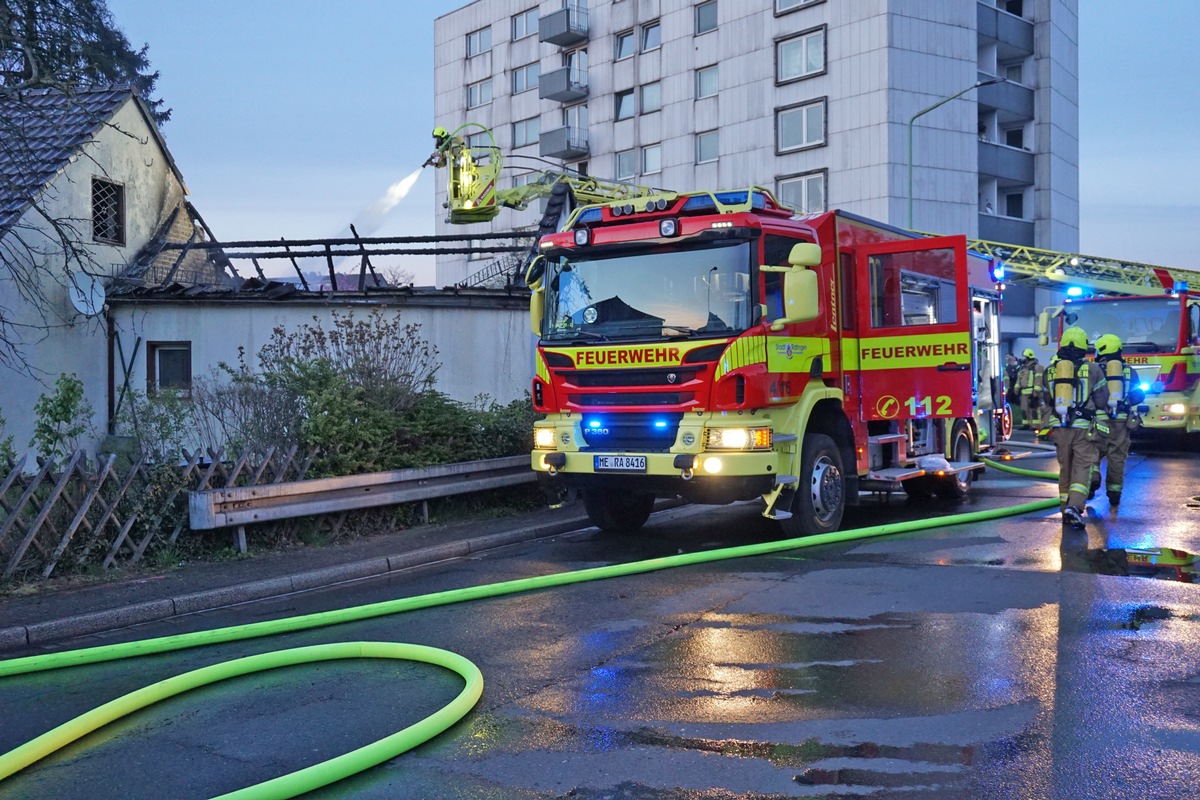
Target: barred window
108,211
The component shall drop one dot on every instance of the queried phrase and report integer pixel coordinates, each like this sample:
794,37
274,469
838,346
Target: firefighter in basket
1124,397
1077,422
1029,388
442,144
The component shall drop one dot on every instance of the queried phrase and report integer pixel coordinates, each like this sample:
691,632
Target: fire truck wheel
820,499
957,486
611,510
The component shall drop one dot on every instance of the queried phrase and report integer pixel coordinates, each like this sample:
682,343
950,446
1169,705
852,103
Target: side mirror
535,273
805,255
536,300
800,300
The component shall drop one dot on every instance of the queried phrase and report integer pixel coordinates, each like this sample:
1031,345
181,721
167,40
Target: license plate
620,463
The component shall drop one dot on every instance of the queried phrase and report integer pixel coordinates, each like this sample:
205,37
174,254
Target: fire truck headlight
581,236
738,439
712,465
1156,387
1176,408
543,438
668,227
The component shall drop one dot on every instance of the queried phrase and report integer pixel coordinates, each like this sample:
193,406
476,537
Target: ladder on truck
1055,270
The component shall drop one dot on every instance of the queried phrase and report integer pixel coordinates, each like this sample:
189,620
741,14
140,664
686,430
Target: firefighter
1011,367
1029,388
441,138
1123,399
1080,397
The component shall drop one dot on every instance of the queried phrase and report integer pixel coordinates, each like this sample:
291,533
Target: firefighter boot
1073,516
1114,498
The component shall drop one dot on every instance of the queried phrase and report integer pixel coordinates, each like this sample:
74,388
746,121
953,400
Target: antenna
86,294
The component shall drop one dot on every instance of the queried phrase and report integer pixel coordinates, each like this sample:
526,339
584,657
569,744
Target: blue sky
291,117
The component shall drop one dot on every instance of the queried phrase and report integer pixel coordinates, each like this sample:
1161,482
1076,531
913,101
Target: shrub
62,419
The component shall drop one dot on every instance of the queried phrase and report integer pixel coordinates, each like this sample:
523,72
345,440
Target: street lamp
922,112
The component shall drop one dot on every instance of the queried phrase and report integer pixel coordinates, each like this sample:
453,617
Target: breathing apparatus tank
1108,347
1064,388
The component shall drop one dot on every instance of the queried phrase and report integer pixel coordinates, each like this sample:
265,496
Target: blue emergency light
1075,291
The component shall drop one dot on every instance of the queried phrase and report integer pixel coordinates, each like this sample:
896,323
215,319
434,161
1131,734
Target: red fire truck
715,346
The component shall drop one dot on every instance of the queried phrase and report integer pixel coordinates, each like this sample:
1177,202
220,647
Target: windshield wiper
578,333
685,330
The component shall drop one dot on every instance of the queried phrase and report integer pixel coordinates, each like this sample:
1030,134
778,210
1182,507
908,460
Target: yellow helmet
1108,345
440,133
1074,336
1028,353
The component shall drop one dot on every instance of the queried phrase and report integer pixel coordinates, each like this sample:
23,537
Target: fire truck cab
717,347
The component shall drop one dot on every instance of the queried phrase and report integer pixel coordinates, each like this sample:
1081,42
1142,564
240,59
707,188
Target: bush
62,419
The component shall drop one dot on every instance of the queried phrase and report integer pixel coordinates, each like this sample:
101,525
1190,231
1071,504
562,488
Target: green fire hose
335,769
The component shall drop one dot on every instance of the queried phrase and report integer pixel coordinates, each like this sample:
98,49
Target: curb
40,633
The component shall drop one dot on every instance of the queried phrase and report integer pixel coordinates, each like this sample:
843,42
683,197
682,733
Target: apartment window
1015,137
706,17
706,81
479,41
1013,7
108,211
788,5
651,159
800,56
526,131
524,24
651,97
707,146
623,102
526,77
576,117
800,126
805,193
624,46
1014,205
480,139
626,165
576,60
169,366
479,94
524,179
651,36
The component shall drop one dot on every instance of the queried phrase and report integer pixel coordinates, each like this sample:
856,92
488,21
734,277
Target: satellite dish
86,294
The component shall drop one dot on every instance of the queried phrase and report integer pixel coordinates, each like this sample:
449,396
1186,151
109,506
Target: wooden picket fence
78,510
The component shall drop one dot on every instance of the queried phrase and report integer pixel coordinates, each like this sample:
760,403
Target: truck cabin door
915,318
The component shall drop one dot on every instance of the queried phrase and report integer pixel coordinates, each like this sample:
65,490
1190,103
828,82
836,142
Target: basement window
108,212
169,367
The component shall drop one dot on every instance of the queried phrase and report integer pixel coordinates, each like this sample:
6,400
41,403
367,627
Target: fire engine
1150,308
718,347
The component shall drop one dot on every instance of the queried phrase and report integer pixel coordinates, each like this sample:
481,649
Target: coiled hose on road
343,766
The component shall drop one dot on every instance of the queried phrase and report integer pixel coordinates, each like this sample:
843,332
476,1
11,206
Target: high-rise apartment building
949,116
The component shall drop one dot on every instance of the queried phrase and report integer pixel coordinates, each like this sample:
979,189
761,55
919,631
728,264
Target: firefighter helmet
1028,353
1108,345
440,133
1074,336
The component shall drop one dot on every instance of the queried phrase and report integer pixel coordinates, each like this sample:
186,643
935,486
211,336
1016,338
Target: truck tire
820,499
958,486
611,510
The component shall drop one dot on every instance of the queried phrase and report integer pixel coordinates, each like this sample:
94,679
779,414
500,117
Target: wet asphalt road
995,660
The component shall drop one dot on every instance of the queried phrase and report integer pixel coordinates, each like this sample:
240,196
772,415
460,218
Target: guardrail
240,506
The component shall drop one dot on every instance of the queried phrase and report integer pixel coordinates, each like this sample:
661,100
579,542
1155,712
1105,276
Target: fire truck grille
631,399
630,377
645,432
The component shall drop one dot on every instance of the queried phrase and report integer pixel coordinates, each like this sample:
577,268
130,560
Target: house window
651,36
526,77
524,24
475,140
623,104
526,131
651,159
788,5
577,61
1015,137
479,41
524,179
651,99
624,46
800,126
108,211
706,81
1014,205
169,366
805,193
706,17
707,146
576,117
1013,72
626,165
800,56
479,94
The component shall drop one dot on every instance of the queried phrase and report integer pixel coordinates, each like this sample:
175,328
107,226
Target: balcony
1013,35
565,27
1011,101
568,143
1006,229
1008,165
563,85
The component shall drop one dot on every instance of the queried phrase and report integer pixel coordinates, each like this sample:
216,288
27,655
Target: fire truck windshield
695,292
1143,324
